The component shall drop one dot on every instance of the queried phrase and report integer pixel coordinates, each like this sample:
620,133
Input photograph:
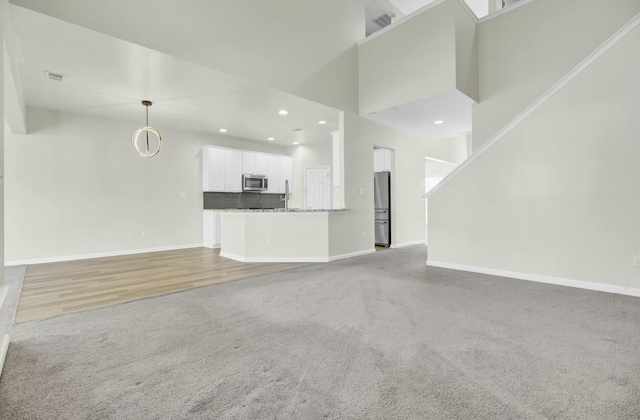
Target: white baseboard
4,346
99,255
243,258
352,254
418,242
295,259
600,287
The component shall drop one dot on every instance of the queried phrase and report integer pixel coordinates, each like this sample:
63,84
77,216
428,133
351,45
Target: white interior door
318,188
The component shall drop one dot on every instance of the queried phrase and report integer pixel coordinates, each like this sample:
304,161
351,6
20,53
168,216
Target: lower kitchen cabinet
211,229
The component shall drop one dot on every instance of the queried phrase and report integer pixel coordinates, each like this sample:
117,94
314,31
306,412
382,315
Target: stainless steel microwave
254,183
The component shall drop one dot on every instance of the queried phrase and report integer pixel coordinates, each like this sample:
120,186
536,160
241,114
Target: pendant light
135,137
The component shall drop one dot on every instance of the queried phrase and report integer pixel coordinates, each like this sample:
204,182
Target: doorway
318,188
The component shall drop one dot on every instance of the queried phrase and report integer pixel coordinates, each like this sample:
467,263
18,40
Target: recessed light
223,130
438,122
283,112
322,122
271,138
296,142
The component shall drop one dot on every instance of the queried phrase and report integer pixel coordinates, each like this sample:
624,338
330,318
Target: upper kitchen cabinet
381,160
274,167
213,165
234,171
222,169
254,163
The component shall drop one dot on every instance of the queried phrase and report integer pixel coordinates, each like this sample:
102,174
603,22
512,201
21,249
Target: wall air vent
384,20
56,77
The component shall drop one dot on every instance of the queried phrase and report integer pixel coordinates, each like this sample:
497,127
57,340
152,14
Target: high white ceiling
108,77
275,43
117,55
418,117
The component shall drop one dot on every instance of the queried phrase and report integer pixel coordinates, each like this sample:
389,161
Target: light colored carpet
380,336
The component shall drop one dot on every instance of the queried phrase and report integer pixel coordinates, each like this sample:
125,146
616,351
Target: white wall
431,53
466,38
410,61
519,58
305,156
4,339
74,186
559,195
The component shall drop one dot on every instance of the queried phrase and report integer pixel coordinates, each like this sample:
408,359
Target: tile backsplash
223,200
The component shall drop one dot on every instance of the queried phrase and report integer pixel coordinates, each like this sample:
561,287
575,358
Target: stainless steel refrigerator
382,197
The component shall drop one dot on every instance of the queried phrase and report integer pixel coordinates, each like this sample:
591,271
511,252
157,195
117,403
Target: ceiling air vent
56,77
384,20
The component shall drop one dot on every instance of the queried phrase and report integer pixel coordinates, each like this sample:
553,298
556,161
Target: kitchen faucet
286,195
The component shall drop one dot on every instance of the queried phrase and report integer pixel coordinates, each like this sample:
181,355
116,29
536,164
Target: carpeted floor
380,336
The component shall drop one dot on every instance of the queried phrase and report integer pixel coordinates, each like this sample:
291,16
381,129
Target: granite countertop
280,210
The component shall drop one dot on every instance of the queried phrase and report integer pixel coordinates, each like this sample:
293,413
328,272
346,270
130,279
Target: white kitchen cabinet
211,229
234,171
213,169
248,162
381,160
273,174
286,172
222,170
254,163
261,164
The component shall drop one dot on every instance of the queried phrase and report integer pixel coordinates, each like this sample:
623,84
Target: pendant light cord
147,108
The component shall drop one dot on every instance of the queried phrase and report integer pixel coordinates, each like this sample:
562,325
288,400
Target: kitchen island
276,235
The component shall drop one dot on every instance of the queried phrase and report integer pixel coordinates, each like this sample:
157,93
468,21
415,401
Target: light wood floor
59,288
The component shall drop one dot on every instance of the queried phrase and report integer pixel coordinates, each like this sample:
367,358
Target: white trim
100,255
541,100
249,212
418,242
4,346
352,254
600,287
242,258
4,291
504,10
